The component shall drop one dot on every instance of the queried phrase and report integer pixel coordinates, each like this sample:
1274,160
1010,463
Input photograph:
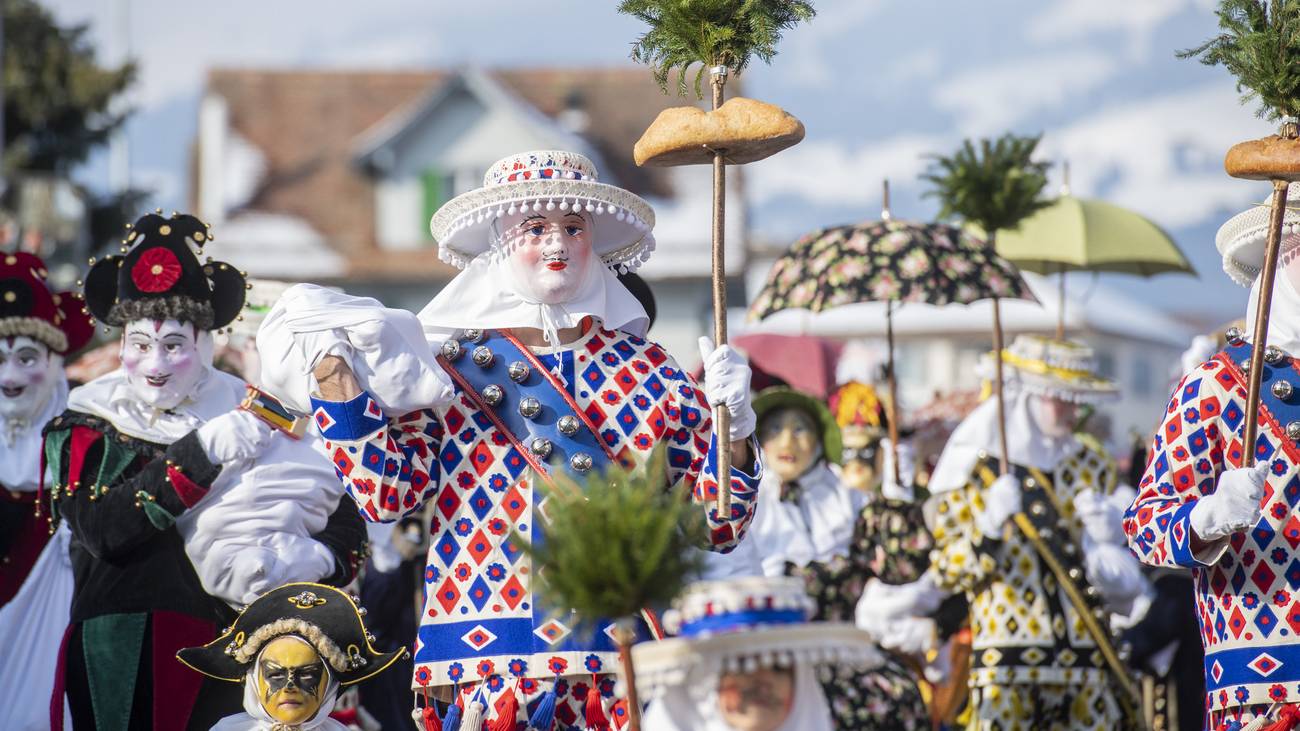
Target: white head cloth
817,527
255,718
1284,314
487,295
21,443
111,398
1027,445
693,705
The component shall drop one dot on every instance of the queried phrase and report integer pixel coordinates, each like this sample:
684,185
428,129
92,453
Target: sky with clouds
878,83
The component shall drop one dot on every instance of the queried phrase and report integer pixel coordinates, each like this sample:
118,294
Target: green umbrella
1079,234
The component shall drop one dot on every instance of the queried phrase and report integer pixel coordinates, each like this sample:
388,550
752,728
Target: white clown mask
162,361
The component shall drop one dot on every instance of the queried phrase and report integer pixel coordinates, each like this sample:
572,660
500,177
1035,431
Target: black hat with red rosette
160,277
28,307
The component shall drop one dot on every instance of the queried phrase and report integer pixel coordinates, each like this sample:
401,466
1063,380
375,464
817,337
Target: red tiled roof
306,124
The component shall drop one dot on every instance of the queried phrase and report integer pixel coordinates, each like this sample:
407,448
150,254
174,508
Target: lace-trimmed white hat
546,180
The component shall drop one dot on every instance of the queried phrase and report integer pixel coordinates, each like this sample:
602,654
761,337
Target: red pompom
156,270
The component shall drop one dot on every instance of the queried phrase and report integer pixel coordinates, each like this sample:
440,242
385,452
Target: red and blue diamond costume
481,623
1247,586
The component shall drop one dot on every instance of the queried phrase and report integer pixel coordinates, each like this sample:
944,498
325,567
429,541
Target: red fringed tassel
595,712
429,714
1287,719
507,712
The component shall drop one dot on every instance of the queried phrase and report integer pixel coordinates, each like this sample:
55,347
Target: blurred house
938,349
331,177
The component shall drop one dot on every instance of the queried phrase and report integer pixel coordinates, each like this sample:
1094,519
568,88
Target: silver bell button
482,356
540,447
451,349
1235,336
1075,573
1037,507
529,407
1245,365
474,336
518,371
580,462
1293,430
568,425
1273,355
1282,389
492,394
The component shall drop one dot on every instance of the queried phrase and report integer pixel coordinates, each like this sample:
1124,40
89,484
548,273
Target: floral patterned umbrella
888,261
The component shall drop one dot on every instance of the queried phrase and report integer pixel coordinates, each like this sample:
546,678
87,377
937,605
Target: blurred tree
58,109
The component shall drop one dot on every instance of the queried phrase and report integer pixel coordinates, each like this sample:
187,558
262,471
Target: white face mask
25,382
1053,417
549,253
162,361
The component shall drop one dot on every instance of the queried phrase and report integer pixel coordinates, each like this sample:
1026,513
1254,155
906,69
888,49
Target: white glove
1115,572
1233,506
235,436
1102,519
1002,500
726,383
881,604
910,636
906,471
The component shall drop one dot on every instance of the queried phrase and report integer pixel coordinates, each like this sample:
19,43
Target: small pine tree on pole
616,546
719,37
1259,44
995,187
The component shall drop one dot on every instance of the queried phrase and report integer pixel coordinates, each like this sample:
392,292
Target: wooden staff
1263,306
997,385
893,393
721,417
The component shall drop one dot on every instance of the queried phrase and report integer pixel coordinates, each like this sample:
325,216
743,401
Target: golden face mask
291,680
791,442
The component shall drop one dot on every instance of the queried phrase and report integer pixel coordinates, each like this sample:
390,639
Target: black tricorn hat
323,616
159,277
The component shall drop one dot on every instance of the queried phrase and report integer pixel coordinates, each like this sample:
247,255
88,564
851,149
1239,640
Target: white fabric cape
252,531
1284,314
1027,445
20,460
255,718
31,630
693,706
387,348
486,295
817,528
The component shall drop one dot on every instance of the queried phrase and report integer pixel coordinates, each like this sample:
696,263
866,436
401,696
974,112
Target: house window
437,188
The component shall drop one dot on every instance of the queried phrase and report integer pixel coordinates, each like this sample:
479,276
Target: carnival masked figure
38,328
863,426
291,650
530,361
133,458
1036,665
734,668
836,539
1236,528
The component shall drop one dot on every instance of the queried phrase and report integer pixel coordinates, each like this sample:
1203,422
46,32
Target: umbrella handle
997,387
721,417
1263,308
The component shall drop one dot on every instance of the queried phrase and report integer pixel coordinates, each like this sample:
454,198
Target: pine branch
1260,45
710,33
995,186
619,543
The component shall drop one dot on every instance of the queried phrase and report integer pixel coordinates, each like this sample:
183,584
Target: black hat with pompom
159,277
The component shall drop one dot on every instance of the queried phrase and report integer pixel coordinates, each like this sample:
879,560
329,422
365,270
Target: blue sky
878,83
